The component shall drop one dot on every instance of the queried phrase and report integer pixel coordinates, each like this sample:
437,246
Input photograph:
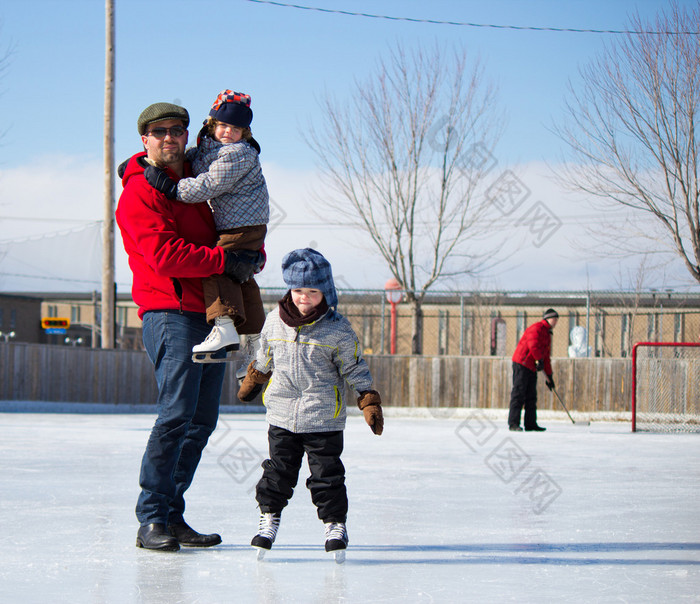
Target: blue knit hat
308,268
232,108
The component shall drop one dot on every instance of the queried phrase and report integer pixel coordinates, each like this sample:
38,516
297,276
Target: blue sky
186,51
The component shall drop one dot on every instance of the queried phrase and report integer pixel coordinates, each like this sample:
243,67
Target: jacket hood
136,164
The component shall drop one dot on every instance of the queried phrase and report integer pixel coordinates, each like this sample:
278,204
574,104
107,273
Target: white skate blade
209,357
260,554
339,556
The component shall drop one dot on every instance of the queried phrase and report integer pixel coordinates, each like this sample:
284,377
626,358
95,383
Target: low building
20,317
473,324
22,314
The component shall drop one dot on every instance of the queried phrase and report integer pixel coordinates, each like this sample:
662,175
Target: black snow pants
524,394
281,472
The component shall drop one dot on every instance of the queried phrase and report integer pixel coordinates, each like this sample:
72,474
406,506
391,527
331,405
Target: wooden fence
587,385
66,374
37,372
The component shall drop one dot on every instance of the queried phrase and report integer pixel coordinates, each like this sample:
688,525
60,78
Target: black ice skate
336,540
267,531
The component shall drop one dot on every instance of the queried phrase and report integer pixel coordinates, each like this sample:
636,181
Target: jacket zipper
336,391
178,290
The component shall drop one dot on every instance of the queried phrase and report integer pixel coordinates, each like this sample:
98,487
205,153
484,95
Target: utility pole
108,289
94,332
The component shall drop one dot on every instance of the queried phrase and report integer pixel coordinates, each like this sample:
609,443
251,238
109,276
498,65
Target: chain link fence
591,324
601,324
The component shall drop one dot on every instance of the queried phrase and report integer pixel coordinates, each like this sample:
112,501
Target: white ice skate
223,336
336,540
247,354
267,531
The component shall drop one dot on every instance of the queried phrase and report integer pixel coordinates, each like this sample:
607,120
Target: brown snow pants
240,301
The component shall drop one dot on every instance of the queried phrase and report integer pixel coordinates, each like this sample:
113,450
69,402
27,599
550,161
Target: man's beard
171,157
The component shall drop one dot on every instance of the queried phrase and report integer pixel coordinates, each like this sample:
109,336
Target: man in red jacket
171,247
531,355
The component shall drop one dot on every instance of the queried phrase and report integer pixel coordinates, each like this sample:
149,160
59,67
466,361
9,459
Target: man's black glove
539,365
241,265
160,181
549,382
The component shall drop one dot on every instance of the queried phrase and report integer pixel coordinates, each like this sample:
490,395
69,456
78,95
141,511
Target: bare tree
632,127
5,60
406,154
633,282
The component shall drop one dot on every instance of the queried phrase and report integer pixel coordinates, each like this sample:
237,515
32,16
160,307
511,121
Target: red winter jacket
535,345
170,244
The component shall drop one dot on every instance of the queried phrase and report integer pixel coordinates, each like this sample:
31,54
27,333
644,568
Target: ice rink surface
442,509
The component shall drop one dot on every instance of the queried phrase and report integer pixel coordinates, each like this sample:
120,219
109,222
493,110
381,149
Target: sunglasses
160,133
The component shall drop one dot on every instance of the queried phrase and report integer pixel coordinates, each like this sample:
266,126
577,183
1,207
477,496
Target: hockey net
666,387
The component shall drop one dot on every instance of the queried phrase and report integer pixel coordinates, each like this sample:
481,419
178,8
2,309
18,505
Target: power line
57,278
575,219
467,24
53,234
50,278
48,219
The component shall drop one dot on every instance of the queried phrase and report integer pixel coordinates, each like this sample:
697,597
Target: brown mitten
371,405
252,383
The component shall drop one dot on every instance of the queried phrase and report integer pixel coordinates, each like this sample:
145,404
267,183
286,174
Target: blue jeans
187,406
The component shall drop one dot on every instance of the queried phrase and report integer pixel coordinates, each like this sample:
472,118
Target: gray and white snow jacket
311,366
231,179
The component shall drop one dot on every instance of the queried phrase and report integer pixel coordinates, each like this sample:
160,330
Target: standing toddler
308,353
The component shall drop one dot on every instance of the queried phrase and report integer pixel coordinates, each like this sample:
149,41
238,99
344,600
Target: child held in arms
229,177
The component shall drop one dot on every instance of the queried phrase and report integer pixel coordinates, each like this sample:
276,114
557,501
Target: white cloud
296,224
58,201
50,229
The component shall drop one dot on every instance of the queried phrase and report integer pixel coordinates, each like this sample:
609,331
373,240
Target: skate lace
213,335
336,530
268,525
247,355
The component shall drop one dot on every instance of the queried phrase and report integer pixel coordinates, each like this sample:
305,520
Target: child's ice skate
336,540
247,354
267,531
222,336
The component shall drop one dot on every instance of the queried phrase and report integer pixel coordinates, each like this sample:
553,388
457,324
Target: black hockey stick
567,411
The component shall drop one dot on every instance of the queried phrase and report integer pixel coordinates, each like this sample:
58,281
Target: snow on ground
454,509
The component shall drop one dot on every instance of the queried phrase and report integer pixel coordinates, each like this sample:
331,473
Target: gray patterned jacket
230,177
311,365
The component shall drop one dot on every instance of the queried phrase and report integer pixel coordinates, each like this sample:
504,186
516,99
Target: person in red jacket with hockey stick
531,355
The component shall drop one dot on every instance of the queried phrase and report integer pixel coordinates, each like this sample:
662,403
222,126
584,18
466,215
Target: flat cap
161,111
